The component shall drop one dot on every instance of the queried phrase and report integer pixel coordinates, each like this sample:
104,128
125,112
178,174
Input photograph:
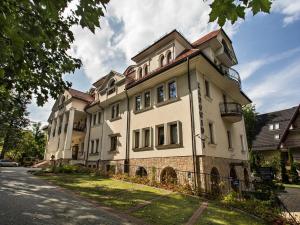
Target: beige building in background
178,108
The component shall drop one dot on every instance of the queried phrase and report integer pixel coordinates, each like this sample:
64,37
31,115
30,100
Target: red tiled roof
80,95
206,38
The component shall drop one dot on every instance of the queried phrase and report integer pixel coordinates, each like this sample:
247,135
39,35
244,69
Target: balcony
231,74
231,111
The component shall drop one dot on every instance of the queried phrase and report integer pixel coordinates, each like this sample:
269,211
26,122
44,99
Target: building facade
177,107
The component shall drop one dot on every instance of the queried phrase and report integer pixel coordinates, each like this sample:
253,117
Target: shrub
294,173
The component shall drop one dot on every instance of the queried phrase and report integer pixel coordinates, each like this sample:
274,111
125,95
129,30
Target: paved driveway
291,199
28,200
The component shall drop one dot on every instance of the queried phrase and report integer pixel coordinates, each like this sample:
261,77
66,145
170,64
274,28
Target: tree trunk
5,145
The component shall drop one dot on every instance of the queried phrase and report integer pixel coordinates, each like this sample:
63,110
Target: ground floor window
168,175
141,171
215,181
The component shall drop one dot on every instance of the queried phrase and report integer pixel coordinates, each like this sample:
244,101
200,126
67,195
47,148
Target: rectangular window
229,139
147,137
92,147
172,90
207,89
94,119
242,143
138,100
211,133
173,134
271,126
113,143
117,110
276,126
99,117
277,136
160,94
82,148
147,99
136,139
160,135
97,145
113,111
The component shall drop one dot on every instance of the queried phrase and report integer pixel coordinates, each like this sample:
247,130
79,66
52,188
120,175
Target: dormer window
111,86
161,60
169,57
146,70
140,73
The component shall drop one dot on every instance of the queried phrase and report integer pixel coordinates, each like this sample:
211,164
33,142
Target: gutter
192,125
88,144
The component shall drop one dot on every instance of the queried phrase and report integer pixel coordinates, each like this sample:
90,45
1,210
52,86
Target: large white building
177,107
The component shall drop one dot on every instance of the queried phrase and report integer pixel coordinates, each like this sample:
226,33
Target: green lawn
166,207
292,185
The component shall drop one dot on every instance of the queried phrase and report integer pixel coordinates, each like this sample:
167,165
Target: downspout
101,132
126,167
88,144
192,125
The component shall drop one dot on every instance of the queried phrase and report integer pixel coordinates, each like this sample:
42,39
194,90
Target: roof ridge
278,111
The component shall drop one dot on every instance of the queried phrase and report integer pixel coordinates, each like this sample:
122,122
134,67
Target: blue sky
267,46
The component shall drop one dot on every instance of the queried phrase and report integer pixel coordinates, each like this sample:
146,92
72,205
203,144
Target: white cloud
40,114
278,90
248,69
289,8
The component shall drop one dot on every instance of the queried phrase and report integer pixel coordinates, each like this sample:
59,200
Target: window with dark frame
169,57
147,99
136,139
146,70
140,73
117,110
207,89
160,94
138,101
229,139
162,58
99,117
94,119
147,137
160,135
113,143
113,111
172,90
173,134
97,146
211,133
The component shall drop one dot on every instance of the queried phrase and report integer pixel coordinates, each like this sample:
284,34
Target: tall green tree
35,37
232,10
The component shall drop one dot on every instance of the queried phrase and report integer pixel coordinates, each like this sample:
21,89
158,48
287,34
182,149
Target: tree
35,37
231,10
250,114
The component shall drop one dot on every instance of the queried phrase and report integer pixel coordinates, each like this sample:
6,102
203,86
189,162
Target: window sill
142,149
170,146
142,110
116,118
208,98
166,102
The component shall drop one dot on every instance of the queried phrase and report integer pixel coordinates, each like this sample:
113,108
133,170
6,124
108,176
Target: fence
206,183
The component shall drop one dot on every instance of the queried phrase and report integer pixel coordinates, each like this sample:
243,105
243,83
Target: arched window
234,179
141,171
169,57
215,180
140,73
146,70
111,83
62,99
168,175
161,60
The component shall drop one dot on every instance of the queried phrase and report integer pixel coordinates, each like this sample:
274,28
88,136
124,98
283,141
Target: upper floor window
111,86
211,133
140,73
97,146
113,143
146,134
229,139
161,60
115,111
160,135
169,57
99,117
138,101
172,90
145,70
147,99
94,119
136,139
173,133
277,136
276,126
160,94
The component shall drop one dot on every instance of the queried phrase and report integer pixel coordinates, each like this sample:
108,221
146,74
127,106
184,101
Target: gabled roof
264,138
80,95
173,34
206,38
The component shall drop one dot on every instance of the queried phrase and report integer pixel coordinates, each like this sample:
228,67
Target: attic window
162,58
140,72
146,70
169,57
111,86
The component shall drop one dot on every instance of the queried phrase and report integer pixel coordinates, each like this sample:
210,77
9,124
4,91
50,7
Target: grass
215,215
166,207
292,185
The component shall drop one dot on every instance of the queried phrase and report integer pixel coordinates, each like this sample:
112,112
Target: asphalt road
28,200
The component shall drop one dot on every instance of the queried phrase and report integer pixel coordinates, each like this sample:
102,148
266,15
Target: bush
294,173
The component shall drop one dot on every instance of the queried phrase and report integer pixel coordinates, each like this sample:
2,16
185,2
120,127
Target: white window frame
213,133
144,139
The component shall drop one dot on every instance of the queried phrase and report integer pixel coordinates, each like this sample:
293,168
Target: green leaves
231,10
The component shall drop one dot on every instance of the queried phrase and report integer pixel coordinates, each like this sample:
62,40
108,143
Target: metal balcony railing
232,74
230,108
